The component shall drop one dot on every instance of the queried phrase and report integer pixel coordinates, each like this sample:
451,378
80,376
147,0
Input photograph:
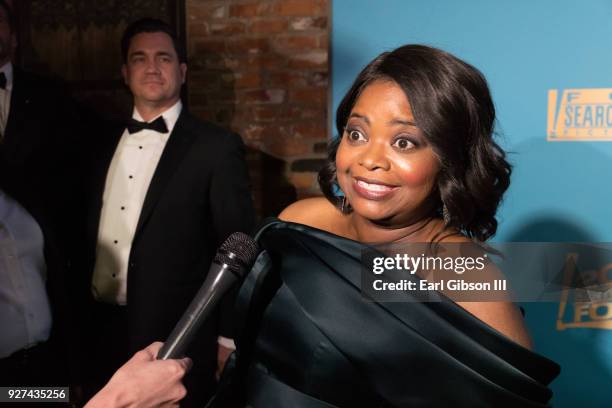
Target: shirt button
116,242
140,147
122,208
131,176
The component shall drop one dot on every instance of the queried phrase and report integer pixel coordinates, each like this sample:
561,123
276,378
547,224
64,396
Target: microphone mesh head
239,252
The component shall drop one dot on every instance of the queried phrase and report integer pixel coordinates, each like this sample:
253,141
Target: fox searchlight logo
586,301
579,115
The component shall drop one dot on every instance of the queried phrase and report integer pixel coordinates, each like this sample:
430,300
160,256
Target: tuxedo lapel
177,146
18,113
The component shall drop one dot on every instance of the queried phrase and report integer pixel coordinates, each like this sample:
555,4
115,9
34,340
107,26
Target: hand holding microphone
231,263
159,382
144,382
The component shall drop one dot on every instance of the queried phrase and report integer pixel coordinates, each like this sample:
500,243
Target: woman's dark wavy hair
452,106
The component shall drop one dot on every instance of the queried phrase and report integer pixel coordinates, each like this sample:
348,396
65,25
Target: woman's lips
372,190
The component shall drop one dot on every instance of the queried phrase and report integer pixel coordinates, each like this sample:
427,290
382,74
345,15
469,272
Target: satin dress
308,338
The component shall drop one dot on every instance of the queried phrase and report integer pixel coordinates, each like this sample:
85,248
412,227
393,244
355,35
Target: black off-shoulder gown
309,339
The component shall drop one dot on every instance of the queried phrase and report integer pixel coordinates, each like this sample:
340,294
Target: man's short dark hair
150,25
10,17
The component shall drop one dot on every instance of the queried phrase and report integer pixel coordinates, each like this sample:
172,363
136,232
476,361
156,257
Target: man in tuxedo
38,137
36,114
36,118
168,190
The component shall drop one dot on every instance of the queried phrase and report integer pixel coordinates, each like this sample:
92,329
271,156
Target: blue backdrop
547,62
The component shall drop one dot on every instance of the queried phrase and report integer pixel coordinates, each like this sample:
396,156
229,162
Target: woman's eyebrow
395,121
403,122
360,116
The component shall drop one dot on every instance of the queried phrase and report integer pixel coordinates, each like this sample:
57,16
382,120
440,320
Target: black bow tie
2,80
158,125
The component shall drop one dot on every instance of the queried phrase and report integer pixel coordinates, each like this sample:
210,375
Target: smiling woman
384,164
447,110
415,162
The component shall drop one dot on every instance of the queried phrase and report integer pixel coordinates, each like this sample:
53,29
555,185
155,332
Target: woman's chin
374,213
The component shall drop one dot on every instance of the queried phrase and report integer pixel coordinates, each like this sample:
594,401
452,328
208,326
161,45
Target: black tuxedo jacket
38,146
199,194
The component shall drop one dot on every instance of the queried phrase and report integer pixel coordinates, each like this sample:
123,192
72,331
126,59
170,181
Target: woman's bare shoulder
505,317
316,212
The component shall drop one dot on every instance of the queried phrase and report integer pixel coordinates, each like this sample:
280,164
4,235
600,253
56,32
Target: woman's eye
355,135
403,144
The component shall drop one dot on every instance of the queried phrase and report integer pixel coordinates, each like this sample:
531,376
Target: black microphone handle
218,281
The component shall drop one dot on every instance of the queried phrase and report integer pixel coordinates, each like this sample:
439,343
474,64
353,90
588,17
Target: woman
415,162
399,179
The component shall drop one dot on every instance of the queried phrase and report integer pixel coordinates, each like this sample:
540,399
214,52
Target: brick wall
261,68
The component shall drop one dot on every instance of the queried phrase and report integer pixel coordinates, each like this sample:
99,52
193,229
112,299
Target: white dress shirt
25,313
127,182
5,96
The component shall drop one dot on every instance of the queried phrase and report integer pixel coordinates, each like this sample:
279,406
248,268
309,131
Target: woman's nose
374,157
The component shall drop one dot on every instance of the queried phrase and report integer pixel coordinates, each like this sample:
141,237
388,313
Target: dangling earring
446,215
344,206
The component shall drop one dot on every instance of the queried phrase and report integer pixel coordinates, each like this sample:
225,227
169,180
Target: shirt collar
8,73
170,117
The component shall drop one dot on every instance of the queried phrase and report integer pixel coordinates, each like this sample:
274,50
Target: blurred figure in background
39,216
33,307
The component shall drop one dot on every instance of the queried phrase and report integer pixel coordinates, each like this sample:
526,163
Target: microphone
232,262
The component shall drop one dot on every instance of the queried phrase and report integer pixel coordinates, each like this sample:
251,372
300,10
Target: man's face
152,71
8,41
